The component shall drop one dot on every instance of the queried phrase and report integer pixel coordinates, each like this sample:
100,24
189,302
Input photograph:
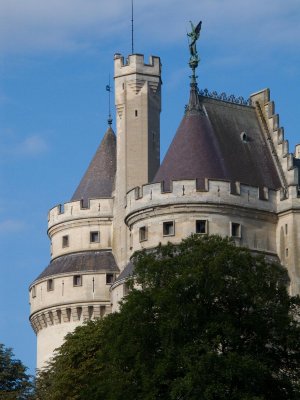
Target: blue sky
55,59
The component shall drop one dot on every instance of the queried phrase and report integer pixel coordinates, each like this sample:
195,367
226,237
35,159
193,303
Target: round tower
75,285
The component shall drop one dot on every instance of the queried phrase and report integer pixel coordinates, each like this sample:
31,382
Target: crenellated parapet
97,208
73,228
279,146
216,192
246,213
135,64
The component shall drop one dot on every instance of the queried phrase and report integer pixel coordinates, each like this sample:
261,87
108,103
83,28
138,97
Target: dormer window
244,137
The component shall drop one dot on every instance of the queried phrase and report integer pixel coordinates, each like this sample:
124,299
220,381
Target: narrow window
169,228
50,285
33,292
109,279
286,252
201,226
143,233
286,229
65,241
136,113
235,230
94,237
77,280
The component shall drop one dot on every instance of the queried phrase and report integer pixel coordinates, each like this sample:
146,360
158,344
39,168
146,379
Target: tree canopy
203,320
15,383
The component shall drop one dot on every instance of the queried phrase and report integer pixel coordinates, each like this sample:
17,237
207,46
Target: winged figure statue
194,35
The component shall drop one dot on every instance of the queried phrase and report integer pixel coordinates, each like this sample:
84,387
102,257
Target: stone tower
75,286
138,106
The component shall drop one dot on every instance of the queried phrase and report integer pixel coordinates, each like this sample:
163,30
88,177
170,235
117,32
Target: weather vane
194,58
108,89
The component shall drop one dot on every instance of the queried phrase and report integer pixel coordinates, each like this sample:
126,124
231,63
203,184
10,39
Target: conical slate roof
194,152
98,181
219,140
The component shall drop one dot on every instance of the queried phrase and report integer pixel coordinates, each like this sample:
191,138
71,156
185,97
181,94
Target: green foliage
15,384
211,322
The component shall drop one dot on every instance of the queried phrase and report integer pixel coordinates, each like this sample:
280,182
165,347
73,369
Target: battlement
215,191
97,208
135,64
284,160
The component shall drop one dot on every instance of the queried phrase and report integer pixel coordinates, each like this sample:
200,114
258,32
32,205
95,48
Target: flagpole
108,89
132,48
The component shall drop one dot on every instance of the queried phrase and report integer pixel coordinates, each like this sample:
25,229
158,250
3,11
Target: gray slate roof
208,145
98,180
89,261
126,273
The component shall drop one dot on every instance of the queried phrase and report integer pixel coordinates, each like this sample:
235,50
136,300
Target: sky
55,61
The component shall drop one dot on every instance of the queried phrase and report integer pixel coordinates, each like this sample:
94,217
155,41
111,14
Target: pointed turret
98,181
194,152
75,285
217,139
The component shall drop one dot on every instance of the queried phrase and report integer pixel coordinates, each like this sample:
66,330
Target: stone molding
68,313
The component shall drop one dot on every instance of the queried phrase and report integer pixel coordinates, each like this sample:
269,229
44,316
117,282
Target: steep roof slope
220,140
98,180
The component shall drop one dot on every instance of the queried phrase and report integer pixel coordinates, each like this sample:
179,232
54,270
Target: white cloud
71,25
11,226
11,146
31,146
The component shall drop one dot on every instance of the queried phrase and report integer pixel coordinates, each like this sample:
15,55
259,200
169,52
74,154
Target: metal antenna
132,48
108,89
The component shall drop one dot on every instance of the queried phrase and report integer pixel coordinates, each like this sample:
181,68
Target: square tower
138,106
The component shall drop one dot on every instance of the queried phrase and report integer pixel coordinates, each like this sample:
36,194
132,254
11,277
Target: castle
228,171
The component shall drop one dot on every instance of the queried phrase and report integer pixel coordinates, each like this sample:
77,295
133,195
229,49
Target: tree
15,384
203,320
